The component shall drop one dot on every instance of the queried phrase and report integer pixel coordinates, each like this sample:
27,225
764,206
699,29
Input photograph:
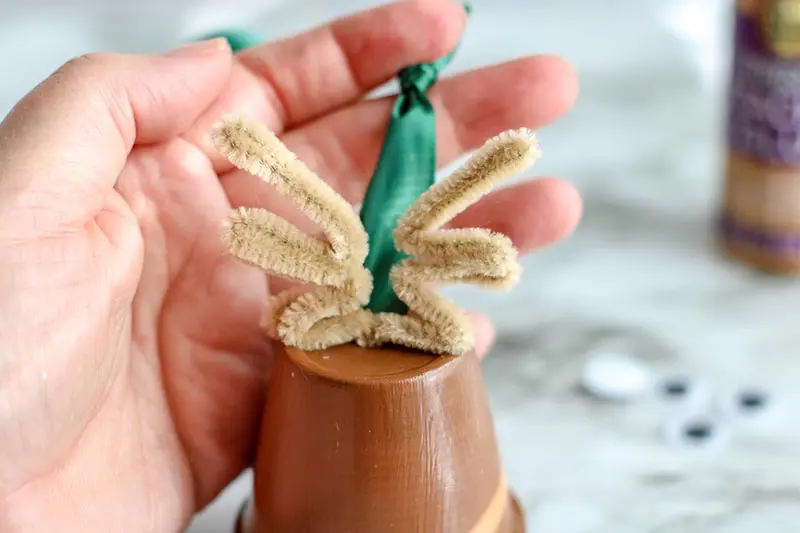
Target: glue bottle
760,219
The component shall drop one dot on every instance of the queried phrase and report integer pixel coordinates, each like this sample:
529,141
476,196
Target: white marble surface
640,275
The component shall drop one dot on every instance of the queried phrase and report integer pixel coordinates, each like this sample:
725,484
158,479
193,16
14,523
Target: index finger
293,81
336,64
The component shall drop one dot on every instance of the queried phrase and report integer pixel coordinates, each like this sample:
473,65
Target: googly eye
682,389
676,387
614,376
698,431
749,406
751,401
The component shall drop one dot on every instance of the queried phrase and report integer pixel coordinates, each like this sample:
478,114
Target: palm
196,315
180,397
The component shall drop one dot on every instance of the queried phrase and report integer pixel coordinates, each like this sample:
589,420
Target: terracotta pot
380,440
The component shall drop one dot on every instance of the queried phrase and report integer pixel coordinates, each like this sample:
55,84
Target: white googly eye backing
615,376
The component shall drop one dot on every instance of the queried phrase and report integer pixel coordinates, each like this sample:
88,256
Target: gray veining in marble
640,275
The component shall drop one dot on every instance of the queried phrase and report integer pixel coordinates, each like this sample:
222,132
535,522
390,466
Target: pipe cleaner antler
470,255
333,313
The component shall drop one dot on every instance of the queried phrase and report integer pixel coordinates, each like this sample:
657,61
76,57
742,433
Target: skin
132,366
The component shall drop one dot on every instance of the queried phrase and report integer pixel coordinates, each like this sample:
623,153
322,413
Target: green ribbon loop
238,39
406,168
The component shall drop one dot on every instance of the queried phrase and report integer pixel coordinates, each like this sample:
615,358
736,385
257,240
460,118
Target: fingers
343,147
484,332
532,214
470,108
65,144
328,67
289,82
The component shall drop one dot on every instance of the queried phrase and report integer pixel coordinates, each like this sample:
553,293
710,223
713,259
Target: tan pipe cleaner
333,313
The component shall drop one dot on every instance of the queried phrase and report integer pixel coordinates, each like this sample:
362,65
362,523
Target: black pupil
676,388
752,400
698,431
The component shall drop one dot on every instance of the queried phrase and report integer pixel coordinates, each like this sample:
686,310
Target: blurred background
640,280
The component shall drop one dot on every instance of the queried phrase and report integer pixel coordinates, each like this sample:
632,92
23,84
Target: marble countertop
641,276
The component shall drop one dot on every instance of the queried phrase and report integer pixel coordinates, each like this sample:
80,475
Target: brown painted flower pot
358,440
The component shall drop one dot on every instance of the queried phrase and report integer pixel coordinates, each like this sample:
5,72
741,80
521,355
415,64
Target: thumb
64,145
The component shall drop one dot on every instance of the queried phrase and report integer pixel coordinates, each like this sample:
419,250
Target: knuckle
101,75
79,67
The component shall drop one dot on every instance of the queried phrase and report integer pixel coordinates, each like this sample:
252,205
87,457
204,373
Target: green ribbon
237,39
406,168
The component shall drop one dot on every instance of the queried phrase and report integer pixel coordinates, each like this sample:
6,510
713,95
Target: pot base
353,439
516,517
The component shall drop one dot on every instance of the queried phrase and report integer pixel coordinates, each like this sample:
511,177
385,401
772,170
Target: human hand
131,362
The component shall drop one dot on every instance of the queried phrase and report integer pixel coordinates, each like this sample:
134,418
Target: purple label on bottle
764,115
764,240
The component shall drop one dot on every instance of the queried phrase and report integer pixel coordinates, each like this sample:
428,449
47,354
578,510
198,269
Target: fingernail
206,48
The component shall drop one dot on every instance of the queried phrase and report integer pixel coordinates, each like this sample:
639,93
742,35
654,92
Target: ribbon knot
420,77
